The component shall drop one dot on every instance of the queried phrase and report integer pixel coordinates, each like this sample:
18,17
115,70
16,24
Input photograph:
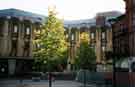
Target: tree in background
52,53
85,58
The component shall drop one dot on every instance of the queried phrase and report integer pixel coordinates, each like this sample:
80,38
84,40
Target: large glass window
27,30
15,29
72,36
92,45
1,28
14,48
26,49
92,35
103,35
103,48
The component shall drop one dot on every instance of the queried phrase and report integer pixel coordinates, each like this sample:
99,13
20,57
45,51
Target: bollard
21,81
50,79
84,79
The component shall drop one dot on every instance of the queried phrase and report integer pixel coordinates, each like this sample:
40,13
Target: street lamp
112,21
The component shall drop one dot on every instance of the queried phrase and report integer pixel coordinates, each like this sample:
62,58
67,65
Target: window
14,48
92,46
103,48
27,31
38,46
92,35
103,35
66,36
1,28
72,36
15,29
26,49
133,2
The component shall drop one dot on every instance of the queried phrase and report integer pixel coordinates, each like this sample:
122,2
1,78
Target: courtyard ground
43,83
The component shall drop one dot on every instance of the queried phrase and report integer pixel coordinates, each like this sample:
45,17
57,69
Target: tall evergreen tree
52,43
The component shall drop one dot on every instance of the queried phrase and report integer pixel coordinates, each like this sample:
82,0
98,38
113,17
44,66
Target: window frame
27,31
15,29
92,35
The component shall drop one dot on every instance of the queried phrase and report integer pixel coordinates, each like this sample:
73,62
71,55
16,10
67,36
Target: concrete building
120,36
100,35
123,34
127,21
130,17
123,37
16,35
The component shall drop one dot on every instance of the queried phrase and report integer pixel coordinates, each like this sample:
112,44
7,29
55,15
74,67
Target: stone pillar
20,40
69,51
9,39
79,38
69,59
72,53
4,45
98,46
109,39
98,50
31,38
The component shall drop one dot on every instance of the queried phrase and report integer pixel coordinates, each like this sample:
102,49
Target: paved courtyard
43,83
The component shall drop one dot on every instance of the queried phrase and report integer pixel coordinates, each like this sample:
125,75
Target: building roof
22,14
116,19
109,14
92,22
68,24
120,17
80,23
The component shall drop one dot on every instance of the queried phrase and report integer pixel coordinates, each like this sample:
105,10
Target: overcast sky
69,9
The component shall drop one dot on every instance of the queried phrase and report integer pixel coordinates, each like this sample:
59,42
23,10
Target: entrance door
12,66
3,68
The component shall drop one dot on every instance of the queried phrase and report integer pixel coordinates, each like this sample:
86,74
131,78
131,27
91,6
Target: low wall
123,79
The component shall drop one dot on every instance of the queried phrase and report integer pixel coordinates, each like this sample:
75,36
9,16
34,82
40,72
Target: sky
67,9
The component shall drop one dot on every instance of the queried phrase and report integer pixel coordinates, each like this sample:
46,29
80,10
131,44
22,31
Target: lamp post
112,21
50,79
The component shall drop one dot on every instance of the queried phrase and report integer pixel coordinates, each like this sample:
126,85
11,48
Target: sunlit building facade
16,40
100,35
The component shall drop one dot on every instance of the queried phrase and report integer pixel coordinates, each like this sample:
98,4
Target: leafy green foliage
86,58
53,46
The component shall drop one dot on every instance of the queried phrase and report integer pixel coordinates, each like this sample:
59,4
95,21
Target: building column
69,59
69,51
72,55
109,40
4,40
20,39
98,46
31,38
